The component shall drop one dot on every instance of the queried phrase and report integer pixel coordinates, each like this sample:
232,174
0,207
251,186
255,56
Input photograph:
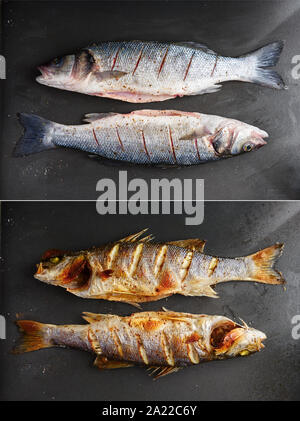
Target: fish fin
110,74
37,136
262,263
136,305
135,237
209,90
194,289
34,336
104,364
89,118
94,317
196,45
158,372
194,244
261,60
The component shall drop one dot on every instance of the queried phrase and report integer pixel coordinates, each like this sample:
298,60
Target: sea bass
145,137
137,71
163,341
136,270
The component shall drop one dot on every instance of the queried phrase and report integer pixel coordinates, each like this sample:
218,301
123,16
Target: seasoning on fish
163,341
145,137
135,270
137,71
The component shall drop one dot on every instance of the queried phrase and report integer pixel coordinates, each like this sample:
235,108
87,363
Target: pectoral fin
194,244
114,74
104,364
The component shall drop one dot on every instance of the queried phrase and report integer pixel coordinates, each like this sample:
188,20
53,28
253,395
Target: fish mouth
229,339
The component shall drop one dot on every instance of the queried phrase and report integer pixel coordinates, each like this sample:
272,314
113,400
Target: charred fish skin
148,137
136,270
164,340
138,71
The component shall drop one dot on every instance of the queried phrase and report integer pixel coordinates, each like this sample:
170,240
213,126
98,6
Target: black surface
35,32
232,229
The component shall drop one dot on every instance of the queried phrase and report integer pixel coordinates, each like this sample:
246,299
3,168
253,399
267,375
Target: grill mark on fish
95,137
119,139
141,350
213,265
168,353
137,255
160,259
192,353
144,143
188,67
117,342
186,264
138,60
197,149
115,58
93,340
214,68
172,145
112,255
163,62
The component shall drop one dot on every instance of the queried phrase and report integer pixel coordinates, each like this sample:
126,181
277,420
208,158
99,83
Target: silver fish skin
165,340
147,71
145,137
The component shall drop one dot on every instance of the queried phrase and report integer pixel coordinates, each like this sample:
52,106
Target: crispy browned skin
136,270
166,340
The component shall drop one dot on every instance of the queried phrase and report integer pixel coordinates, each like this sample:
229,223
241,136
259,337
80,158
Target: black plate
232,229
35,32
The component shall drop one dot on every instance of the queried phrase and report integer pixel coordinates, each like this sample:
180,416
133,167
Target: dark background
34,32
231,229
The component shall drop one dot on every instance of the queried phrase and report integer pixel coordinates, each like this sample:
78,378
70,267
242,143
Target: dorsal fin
196,45
194,244
89,118
136,237
94,317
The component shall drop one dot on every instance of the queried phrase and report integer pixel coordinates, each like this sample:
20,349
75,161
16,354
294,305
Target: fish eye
55,259
248,147
57,62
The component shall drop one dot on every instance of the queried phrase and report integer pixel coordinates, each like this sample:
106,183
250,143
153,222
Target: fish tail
260,62
262,263
35,336
37,137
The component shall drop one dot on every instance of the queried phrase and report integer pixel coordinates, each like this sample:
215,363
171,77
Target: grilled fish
164,341
138,71
136,270
145,137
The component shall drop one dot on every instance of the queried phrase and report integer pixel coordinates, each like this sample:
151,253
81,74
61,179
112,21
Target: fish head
58,72
69,72
70,271
229,339
236,138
